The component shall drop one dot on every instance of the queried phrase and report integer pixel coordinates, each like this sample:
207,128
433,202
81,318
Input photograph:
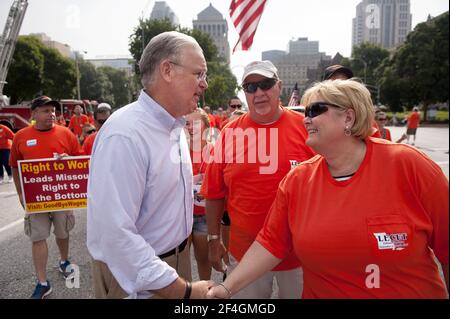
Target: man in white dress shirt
140,197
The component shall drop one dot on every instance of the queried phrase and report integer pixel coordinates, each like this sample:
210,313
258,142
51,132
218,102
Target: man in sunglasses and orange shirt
251,157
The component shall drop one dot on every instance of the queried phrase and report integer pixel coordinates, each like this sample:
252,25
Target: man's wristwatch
212,237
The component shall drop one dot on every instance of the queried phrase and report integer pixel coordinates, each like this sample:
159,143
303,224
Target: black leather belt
180,248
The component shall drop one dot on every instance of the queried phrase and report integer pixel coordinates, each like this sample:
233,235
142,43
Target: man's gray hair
166,45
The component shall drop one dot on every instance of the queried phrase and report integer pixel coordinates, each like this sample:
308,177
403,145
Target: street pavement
17,279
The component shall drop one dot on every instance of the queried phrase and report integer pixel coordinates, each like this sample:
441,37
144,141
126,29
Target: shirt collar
167,120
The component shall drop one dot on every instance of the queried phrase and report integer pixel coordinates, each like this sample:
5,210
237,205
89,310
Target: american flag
245,15
294,100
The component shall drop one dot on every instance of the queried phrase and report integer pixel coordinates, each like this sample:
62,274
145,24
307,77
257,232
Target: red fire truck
19,116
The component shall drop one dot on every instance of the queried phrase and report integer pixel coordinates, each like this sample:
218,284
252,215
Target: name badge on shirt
31,142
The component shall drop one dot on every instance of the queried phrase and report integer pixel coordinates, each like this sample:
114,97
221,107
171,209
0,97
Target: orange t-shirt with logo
6,136
30,143
376,228
76,124
413,120
249,175
89,143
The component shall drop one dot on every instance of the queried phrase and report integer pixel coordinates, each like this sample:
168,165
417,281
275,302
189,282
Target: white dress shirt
140,196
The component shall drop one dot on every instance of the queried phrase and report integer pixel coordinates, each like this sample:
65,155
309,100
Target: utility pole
78,74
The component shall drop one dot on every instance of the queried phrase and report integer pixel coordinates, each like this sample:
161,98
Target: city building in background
294,64
124,63
211,21
162,11
62,48
383,22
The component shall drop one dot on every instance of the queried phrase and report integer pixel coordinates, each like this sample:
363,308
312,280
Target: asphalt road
17,279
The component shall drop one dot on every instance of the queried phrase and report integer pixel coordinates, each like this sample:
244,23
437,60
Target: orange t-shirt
250,175
6,136
88,143
413,120
199,163
388,215
212,120
30,143
386,134
76,124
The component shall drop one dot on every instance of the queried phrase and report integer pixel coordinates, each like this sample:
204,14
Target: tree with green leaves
24,78
422,63
222,84
37,69
120,90
94,85
59,78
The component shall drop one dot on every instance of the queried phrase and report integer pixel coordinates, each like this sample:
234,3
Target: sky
103,27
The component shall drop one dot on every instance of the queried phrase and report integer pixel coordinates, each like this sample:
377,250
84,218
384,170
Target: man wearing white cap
252,156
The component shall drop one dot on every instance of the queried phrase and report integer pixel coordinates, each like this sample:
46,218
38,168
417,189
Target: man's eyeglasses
235,106
317,108
382,119
201,76
252,87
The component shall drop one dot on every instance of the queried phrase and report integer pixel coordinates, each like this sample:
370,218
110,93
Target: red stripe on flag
244,23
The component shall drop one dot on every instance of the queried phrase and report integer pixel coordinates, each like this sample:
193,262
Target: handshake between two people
218,256
208,289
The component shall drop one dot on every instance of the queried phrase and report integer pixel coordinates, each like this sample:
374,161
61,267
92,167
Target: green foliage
37,69
366,58
59,75
120,82
25,74
419,68
222,85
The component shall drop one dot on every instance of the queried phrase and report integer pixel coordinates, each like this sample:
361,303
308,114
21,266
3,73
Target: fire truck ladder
9,38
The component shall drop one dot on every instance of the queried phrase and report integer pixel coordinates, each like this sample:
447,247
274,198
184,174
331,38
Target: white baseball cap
105,105
264,68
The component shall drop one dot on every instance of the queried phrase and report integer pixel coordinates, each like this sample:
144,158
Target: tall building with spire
211,21
161,11
383,22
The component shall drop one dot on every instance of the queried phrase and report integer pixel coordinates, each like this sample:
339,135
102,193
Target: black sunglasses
264,85
234,106
317,108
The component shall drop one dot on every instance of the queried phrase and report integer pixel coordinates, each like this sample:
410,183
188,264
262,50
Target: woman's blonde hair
349,94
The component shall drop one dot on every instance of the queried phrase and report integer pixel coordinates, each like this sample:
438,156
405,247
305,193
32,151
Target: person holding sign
140,192
44,139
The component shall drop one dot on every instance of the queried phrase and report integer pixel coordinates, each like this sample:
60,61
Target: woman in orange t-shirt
365,217
6,137
198,128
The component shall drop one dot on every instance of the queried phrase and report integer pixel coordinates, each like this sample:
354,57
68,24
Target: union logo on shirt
391,241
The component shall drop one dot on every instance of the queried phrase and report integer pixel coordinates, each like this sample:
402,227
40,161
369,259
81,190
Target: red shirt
6,136
389,214
251,183
30,143
386,134
413,120
199,162
88,143
76,124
